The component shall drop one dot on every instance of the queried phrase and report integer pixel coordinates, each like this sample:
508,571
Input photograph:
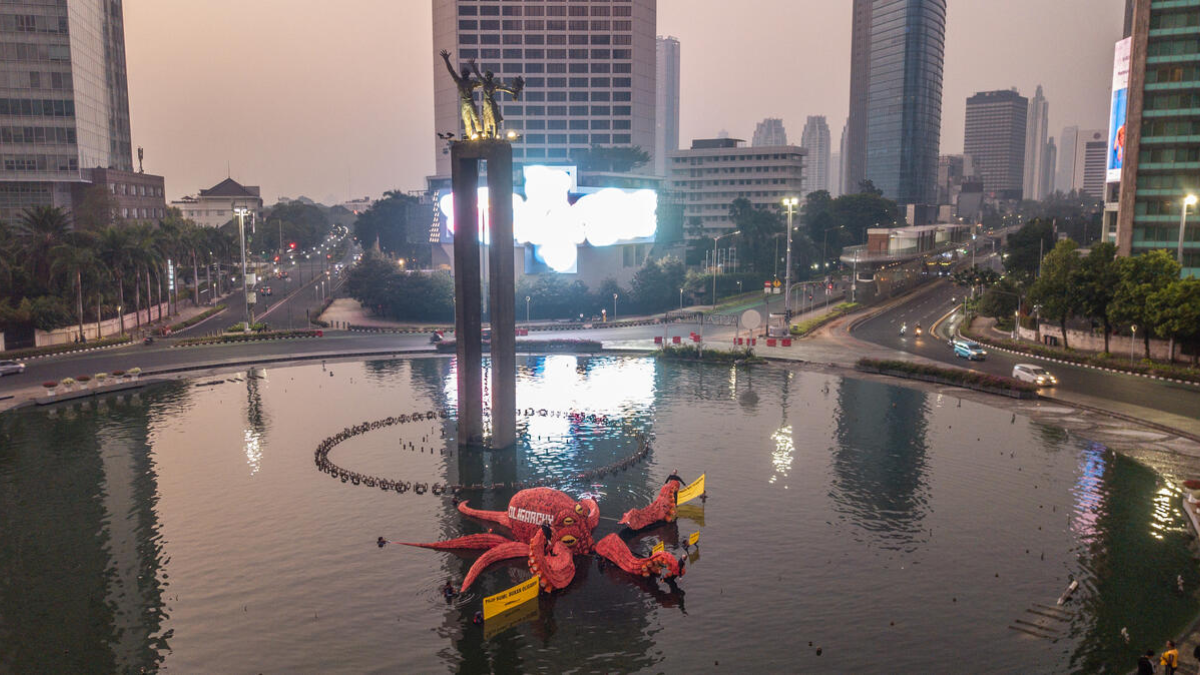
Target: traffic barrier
787,342
770,342
658,339
675,339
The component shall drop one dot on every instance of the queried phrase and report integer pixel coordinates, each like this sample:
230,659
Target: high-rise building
1064,172
854,154
1035,145
1049,161
815,141
589,69
1090,158
904,105
768,132
842,186
994,138
1158,158
764,175
666,106
835,174
64,100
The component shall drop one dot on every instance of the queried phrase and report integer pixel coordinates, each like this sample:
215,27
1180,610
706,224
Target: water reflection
879,461
257,420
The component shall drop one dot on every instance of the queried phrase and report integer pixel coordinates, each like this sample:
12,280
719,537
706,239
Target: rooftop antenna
227,172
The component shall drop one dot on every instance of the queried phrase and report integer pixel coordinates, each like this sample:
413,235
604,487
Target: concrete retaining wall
109,328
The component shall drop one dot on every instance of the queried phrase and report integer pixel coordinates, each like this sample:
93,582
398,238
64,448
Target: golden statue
491,111
466,88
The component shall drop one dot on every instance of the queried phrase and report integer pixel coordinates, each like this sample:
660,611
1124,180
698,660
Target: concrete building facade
1092,151
904,103
666,108
64,99
711,174
994,138
1064,171
854,154
589,68
1035,145
816,143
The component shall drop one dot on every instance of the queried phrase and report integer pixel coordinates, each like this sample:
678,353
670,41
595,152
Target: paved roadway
1134,395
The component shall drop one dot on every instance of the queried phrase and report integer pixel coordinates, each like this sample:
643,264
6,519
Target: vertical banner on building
1116,113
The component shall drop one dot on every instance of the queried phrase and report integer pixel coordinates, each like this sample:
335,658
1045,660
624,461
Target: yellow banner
518,615
657,547
690,492
693,538
506,600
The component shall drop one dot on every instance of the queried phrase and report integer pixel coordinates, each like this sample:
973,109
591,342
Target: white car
11,367
1028,372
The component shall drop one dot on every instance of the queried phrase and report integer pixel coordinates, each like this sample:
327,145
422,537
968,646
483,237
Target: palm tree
114,250
71,261
144,256
39,230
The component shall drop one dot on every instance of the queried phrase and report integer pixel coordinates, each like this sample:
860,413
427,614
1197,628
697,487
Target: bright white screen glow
546,218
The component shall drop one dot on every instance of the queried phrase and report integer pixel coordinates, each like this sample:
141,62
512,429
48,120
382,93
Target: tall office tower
1091,159
666,106
1064,172
854,155
815,140
835,175
770,131
1049,161
994,138
842,186
904,104
589,69
64,99
1035,145
1157,160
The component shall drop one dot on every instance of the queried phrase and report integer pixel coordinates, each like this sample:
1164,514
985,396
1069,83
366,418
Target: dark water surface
187,530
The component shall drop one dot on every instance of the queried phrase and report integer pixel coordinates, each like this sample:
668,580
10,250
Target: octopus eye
579,508
568,521
568,540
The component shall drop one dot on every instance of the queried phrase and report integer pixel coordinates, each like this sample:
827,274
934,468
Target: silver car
1028,372
11,368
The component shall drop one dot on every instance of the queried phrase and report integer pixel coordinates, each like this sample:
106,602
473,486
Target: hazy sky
329,100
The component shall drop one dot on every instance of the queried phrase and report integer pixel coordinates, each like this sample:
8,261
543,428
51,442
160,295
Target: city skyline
303,123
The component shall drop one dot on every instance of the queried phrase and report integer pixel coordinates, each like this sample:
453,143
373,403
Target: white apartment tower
1035,145
769,132
589,69
815,140
666,109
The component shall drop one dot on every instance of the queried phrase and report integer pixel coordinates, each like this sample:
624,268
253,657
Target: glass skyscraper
904,107
1162,132
64,99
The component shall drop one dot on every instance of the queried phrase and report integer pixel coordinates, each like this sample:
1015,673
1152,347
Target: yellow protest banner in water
506,600
657,547
528,611
693,538
690,492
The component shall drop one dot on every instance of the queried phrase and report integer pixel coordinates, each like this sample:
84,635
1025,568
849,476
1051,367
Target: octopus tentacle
556,567
498,517
614,549
471,541
661,509
512,549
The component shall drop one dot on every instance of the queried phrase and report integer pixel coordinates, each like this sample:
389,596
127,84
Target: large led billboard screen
1116,113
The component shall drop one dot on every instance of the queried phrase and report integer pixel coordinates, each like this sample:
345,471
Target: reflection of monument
482,144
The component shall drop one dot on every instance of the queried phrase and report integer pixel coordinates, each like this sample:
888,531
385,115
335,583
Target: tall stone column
465,159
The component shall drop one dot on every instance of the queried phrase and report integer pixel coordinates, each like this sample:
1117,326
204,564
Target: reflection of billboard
1116,116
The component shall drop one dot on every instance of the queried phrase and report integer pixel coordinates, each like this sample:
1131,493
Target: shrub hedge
63,348
956,376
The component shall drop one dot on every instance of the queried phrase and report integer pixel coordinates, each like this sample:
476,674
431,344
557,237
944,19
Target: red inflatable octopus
550,529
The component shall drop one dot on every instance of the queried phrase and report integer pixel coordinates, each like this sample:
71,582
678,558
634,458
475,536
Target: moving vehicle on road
11,368
1029,372
266,290
917,330
969,350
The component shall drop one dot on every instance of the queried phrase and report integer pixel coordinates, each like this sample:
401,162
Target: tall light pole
614,306
790,204
1132,341
527,309
1189,200
241,212
717,238
681,298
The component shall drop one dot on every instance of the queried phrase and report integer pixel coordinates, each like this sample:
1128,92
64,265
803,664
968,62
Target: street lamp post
681,298
790,204
1190,200
527,298
241,212
614,307
717,238
1132,341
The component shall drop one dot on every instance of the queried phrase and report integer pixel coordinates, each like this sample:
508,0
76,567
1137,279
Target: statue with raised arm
491,111
466,89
